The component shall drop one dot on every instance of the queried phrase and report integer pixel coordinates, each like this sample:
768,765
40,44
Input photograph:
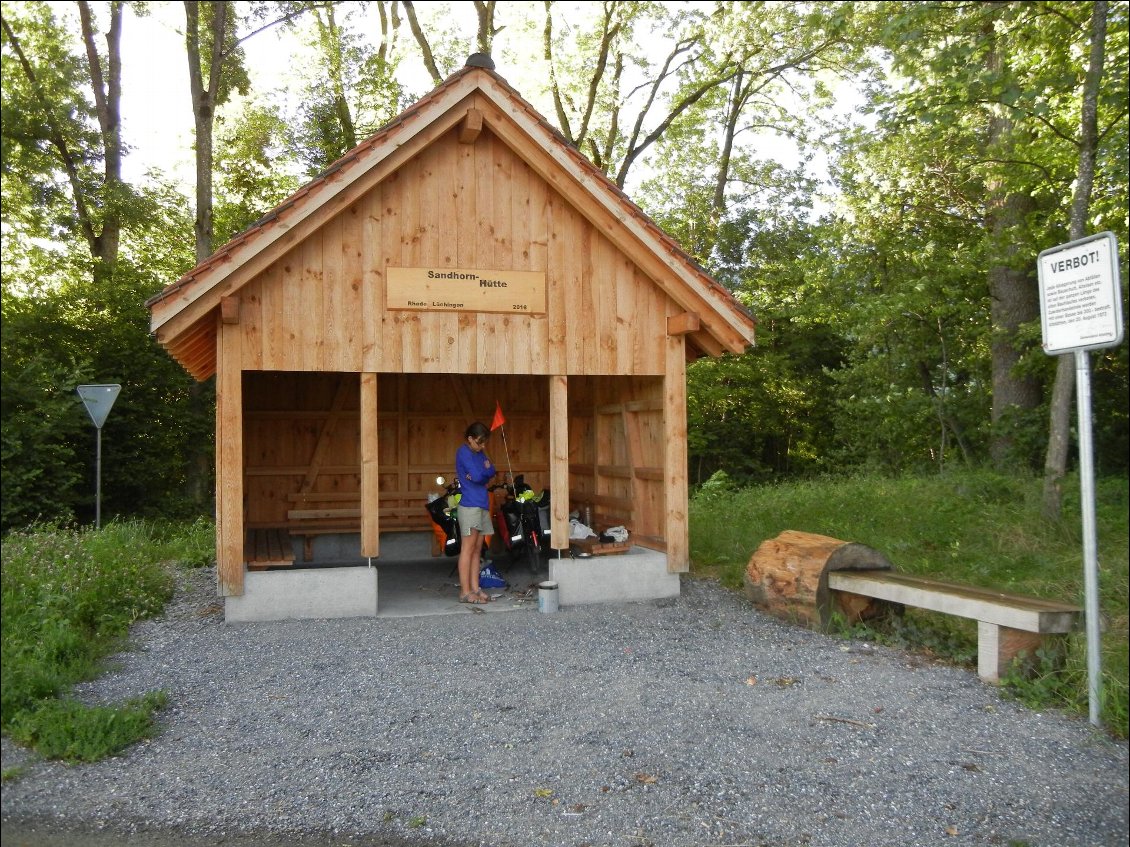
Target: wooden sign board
466,290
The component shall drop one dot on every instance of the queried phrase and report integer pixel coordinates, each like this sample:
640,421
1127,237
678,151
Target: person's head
477,435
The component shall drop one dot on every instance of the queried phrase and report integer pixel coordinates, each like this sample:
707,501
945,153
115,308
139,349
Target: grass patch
69,597
977,527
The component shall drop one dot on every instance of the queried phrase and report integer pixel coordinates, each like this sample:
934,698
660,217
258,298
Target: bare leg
476,541
468,564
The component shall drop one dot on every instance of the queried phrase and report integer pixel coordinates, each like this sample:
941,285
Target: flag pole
500,421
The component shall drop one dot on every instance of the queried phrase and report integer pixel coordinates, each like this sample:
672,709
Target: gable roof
178,313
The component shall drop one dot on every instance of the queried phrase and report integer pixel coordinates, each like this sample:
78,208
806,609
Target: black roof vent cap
480,60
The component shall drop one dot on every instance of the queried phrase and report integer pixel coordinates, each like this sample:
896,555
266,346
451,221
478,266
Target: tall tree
351,87
215,70
983,103
1055,462
59,116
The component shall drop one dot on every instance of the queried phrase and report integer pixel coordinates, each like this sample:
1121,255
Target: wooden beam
370,468
229,462
229,309
675,487
683,323
328,427
559,460
471,126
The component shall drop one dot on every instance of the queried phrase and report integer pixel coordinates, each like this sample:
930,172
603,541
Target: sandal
482,595
473,599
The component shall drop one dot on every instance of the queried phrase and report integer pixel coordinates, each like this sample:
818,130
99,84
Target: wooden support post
559,461
229,461
370,482
675,486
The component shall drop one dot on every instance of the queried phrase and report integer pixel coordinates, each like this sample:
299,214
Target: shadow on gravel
41,835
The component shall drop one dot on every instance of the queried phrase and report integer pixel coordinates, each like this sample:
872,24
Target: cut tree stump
788,577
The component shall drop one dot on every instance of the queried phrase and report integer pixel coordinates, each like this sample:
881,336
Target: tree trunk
788,577
107,98
1059,424
1013,292
204,112
1014,300
422,41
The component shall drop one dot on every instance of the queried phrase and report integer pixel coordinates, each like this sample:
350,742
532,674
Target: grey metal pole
98,482
1090,546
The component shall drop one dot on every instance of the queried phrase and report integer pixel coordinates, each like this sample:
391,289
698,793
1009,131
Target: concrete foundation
340,584
305,593
639,574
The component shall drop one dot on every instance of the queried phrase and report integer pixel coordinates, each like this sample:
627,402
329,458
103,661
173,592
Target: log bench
268,548
813,579
1007,624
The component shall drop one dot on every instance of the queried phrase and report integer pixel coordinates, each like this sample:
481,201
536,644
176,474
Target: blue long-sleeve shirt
474,471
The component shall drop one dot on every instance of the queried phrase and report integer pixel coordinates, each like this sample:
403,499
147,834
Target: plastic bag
578,531
490,578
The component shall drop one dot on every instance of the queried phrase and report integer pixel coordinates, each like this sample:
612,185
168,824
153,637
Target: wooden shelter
463,255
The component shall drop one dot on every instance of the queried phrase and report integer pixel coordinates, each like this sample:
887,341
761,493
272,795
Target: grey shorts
472,517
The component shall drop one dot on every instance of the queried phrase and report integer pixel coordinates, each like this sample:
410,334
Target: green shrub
75,732
69,597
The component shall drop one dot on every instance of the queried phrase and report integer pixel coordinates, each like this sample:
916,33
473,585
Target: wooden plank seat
322,513
1007,624
268,548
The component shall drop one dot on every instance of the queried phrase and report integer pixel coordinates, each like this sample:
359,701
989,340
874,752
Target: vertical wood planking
370,468
309,323
466,240
627,327
333,306
277,291
373,281
565,224
487,353
556,264
229,461
251,324
441,248
352,285
392,242
675,457
585,317
513,216
606,309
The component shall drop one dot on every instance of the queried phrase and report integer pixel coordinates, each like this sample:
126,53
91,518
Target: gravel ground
695,722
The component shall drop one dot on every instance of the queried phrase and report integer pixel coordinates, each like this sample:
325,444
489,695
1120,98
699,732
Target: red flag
499,420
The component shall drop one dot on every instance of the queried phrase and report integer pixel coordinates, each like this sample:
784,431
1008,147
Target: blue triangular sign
98,399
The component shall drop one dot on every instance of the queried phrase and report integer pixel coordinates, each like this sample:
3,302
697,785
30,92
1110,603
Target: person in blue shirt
473,469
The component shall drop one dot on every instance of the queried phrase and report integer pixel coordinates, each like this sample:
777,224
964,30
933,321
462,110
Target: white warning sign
1080,297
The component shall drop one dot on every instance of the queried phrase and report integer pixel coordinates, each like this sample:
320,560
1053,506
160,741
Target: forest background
932,149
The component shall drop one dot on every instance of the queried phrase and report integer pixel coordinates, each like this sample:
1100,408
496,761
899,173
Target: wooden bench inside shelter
268,548
330,513
1007,624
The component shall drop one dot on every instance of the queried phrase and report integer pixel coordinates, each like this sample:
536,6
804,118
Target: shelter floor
413,583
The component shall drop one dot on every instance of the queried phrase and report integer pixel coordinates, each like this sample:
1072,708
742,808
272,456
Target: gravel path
697,722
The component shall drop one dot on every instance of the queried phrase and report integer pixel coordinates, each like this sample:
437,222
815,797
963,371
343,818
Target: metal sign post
98,399
1080,311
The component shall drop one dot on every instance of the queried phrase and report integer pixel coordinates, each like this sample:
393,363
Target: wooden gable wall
321,305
